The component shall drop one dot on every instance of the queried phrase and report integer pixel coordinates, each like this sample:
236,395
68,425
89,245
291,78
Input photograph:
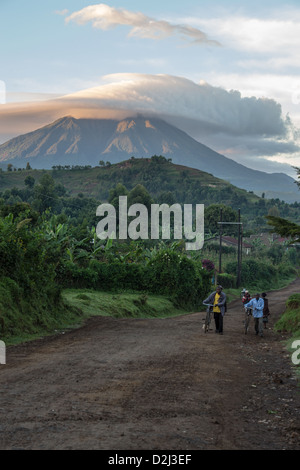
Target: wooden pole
238,282
220,250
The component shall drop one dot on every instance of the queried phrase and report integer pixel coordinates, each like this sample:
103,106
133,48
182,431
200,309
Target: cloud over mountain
215,109
219,118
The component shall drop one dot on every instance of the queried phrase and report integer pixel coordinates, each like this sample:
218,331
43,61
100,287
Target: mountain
70,141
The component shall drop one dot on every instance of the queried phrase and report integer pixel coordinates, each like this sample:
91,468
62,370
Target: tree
44,194
274,211
298,172
29,181
60,190
28,167
115,193
166,197
140,195
212,217
284,227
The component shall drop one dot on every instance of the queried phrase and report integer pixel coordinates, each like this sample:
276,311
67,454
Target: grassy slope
81,304
96,182
290,320
121,305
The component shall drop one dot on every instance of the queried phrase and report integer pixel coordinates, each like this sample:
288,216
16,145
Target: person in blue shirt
257,304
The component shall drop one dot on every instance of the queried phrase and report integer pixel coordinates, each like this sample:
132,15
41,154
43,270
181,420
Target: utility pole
220,250
238,281
239,223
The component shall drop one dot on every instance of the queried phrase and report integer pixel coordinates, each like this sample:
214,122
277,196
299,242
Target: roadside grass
81,304
290,322
39,323
121,305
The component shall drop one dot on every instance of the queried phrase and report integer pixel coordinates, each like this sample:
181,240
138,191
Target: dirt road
153,385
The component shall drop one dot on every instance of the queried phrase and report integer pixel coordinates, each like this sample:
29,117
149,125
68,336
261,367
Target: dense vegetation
39,256
165,181
48,241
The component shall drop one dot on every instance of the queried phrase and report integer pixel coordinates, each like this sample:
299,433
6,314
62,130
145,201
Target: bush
71,275
293,301
208,265
286,271
254,272
226,280
290,320
167,273
179,276
26,314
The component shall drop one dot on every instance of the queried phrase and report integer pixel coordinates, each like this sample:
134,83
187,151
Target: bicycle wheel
247,321
207,322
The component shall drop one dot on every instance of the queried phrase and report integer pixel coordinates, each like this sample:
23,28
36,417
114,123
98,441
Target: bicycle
208,317
248,314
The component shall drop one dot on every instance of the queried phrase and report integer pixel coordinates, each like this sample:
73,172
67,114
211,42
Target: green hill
157,174
165,181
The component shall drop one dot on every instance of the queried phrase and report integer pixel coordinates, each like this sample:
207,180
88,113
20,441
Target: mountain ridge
71,141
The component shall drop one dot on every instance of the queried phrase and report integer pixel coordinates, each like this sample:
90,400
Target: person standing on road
257,304
218,300
246,297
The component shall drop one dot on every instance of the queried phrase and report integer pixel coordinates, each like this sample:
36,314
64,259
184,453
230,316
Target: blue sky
202,50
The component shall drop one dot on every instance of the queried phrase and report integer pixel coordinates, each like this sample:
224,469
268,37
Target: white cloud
259,35
104,17
215,109
286,88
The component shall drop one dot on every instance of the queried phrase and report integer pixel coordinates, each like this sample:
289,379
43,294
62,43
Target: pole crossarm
240,244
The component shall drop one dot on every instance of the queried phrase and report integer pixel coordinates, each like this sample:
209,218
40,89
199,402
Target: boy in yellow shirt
218,300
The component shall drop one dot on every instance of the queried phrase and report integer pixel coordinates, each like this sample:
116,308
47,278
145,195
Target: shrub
177,275
226,280
293,301
167,273
290,320
208,265
254,271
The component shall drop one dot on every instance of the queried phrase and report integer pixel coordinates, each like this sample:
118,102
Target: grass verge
121,305
77,305
290,322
